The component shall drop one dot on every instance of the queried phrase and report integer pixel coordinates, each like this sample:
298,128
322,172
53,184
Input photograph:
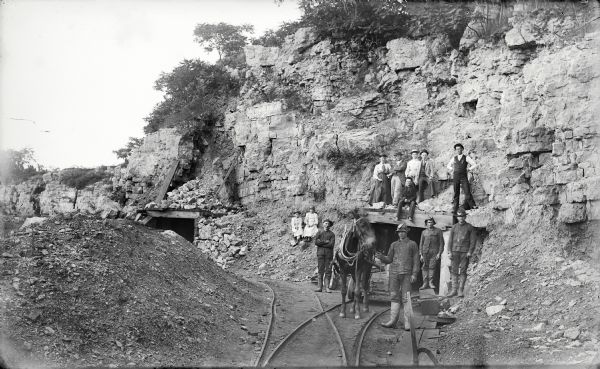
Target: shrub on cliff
18,165
195,95
352,161
370,23
124,152
276,37
228,40
79,178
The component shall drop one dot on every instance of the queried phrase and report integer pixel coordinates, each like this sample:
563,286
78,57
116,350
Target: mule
354,256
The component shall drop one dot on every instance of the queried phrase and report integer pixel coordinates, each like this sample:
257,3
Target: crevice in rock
35,198
470,107
75,199
269,148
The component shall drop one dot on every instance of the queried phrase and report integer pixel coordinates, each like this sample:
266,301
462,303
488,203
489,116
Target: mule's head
364,231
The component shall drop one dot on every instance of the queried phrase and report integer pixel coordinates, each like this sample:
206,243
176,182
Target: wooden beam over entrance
181,214
388,216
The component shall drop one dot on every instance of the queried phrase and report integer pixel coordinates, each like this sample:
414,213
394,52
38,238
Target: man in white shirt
413,166
460,165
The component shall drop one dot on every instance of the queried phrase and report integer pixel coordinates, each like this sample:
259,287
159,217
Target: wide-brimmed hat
296,212
414,151
430,219
328,221
459,145
461,213
402,228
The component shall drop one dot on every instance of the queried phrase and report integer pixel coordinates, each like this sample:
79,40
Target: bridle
346,255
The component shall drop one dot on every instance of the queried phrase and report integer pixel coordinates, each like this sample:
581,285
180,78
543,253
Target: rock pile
194,194
216,238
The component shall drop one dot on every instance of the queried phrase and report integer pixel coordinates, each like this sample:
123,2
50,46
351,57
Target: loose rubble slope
82,291
533,297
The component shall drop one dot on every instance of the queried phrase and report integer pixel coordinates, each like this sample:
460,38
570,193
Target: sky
77,76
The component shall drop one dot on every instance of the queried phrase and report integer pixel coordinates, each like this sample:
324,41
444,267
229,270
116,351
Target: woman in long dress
381,191
311,221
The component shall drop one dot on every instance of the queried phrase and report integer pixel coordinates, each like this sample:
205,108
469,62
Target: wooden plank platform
181,214
388,216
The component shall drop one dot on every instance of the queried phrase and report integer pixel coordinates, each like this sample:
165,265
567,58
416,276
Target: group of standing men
405,183
404,256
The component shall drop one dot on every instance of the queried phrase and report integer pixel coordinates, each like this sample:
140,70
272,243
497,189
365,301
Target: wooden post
413,334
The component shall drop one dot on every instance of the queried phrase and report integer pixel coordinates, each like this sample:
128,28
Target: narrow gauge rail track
317,339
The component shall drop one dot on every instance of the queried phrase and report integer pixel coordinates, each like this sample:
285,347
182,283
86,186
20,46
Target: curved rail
336,331
269,328
295,331
362,335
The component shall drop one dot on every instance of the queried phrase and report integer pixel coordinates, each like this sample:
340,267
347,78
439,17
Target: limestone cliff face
525,107
48,196
149,164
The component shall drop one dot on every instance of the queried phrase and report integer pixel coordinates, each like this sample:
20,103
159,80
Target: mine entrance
183,227
386,234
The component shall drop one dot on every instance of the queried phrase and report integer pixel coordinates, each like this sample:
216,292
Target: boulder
31,221
261,56
494,309
403,53
572,213
521,37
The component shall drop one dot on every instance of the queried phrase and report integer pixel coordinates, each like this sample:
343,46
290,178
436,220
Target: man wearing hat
425,176
430,249
324,240
413,166
461,246
403,256
460,165
398,178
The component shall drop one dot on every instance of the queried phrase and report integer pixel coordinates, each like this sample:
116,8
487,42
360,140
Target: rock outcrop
49,196
525,113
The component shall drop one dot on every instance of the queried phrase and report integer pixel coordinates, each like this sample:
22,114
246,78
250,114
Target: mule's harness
347,256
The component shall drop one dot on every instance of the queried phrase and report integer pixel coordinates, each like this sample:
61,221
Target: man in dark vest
461,245
430,249
460,165
324,240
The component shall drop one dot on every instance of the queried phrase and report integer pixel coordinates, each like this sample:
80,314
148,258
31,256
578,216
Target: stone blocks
572,213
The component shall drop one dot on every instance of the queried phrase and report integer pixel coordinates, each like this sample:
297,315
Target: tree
18,165
276,37
369,23
124,152
196,94
228,40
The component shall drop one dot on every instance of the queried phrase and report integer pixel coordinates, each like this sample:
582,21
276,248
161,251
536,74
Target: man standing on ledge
460,247
404,257
325,240
459,165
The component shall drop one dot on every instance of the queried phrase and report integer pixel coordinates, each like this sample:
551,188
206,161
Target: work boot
461,286
453,292
394,315
326,284
425,279
431,285
320,284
